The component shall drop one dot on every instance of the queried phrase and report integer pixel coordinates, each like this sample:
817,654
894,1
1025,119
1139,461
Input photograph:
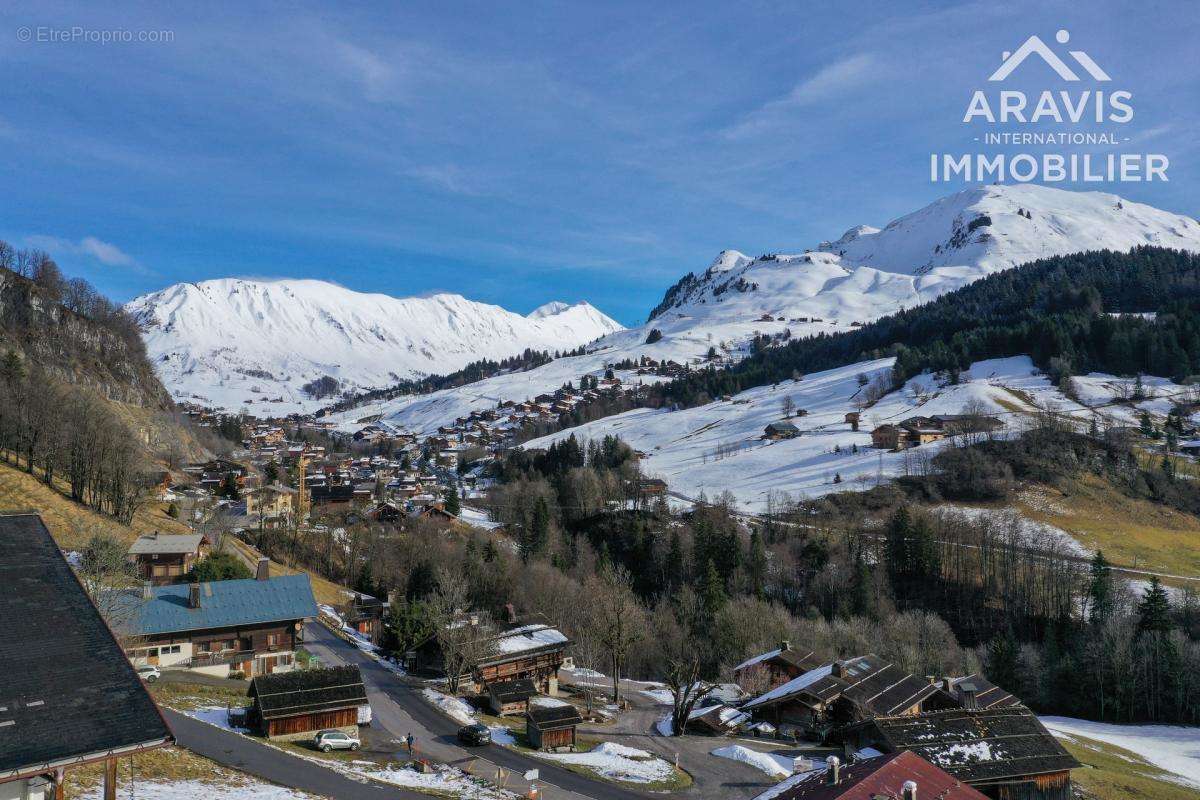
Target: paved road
244,754
399,708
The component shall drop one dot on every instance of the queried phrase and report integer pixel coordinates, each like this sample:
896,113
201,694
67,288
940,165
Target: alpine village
909,514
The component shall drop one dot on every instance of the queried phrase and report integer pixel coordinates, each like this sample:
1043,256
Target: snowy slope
232,342
718,447
870,272
865,274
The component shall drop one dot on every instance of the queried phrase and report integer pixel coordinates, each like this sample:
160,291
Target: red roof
882,776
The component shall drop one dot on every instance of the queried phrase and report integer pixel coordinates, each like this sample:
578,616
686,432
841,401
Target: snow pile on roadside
458,710
444,780
776,766
663,726
618,763
190,790
1172,748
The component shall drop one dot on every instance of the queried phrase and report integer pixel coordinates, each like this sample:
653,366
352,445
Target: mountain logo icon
1035,46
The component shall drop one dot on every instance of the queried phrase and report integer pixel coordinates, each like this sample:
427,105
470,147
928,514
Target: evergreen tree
712,593
450,495
1002,662
1154,612
1100,591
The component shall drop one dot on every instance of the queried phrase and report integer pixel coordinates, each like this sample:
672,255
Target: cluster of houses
875,714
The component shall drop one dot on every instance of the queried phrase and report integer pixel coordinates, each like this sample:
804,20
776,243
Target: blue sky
520,152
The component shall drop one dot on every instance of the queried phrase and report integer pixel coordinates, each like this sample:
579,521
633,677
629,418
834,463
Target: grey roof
165,544
224,604
68,691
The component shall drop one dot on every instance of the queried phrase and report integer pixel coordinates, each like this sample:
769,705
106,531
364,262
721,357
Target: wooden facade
550,724
251,650
541,668
309,723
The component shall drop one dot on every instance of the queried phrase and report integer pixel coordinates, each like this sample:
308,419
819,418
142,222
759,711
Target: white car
335,740
149,673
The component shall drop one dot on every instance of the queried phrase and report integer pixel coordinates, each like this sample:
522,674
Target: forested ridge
1071,314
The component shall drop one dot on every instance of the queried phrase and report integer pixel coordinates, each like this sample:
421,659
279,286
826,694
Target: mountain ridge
231,342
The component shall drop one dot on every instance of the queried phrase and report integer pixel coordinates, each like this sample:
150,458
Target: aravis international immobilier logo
1074,133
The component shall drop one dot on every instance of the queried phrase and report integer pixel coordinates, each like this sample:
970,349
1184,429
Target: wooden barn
550,724
293,705
511,697
1005,753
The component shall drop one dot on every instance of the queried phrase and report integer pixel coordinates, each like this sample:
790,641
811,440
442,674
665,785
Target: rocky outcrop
76,349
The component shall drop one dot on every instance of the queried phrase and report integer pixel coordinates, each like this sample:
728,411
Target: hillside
232,343
35,323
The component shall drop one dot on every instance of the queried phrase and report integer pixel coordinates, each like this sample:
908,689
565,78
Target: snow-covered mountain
865,274
236,343
870,272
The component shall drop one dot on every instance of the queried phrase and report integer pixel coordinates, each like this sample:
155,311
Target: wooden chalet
167,558
775,667
845,692
783,429
898,776
652,487
365,615
69,696
250,626
533,652
1004,753
550,724
853,418
510,697
292,705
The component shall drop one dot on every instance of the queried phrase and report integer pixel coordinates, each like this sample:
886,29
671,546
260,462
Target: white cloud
104,252
827,83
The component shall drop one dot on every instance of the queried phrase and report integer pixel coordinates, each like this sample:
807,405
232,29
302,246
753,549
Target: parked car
149,673
476,734
335,740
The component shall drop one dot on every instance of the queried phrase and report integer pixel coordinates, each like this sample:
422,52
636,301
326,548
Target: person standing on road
409,740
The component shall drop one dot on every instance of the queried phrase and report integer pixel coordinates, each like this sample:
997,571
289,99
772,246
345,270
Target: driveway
243,753
399,708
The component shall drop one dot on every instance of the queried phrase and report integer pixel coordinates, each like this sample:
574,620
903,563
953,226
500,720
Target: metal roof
223,604
165,544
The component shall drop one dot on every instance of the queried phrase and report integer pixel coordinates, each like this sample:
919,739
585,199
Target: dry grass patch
70,523
1132,533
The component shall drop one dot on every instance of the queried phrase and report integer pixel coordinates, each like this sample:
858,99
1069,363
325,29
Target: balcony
218,659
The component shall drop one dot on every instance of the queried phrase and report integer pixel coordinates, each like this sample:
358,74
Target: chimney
264,569
947,686
785,645
838,669
194,596
834,773
511,612
909,792
146,590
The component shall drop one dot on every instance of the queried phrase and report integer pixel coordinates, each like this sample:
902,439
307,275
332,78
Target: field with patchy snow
1172,748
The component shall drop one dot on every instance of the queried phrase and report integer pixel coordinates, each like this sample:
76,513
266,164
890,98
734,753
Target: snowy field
1172,748
719,447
